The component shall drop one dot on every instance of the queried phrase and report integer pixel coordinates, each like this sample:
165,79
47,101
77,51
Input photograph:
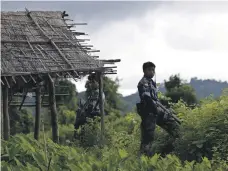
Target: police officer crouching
150,113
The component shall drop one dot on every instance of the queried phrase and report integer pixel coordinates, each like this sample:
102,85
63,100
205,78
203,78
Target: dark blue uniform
147,92
147,85
90,109
151,115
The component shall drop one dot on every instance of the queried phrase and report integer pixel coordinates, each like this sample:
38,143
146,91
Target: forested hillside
203,88
202,145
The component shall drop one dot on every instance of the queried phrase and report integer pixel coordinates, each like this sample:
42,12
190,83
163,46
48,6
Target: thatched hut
37,48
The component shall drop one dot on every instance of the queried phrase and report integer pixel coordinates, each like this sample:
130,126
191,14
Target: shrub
22,152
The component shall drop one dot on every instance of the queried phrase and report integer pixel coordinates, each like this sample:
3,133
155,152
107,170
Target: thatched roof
42,42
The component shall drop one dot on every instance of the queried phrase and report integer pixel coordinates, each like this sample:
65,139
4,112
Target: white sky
186,38
190,38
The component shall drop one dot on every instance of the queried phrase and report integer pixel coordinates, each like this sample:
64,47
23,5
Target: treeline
175,89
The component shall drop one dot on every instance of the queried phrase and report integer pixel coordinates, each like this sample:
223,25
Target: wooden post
101,105
6,121
2,121
38,108
52,103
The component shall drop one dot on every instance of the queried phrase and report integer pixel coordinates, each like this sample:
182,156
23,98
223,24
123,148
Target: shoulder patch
144,82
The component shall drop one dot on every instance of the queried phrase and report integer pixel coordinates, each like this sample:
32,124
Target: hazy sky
190,38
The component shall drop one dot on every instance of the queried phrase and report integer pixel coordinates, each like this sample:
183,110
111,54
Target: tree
174,81
112,97
67,87
176,90
66,116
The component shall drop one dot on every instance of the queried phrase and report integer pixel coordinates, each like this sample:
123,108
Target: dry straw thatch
42,42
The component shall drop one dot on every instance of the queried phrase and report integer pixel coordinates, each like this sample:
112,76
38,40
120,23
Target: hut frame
37,48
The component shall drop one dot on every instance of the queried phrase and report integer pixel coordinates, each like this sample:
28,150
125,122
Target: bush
202,144
22,152
204,129
66,116
20,121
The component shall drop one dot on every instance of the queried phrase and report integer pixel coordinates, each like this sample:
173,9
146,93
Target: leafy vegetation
202,145
24,153
176,90
67,87
203,89
21,121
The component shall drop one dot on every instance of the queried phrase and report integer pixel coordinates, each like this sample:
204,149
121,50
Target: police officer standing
150,113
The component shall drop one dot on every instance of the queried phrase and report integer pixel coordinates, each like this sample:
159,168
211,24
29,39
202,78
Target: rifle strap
152,87
96,104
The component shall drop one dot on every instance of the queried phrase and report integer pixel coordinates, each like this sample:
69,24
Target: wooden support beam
38,108
2,82
45,95
54,117
101,105
82,45
14,80
7,83
23,100
106,73
50,79
72,24
40,41
18,73
11,96
23,78
76,74
82,40
85,48
33,105
59,71
78,33
71,76
6,120
42,99
33,79
111,60
67,19
93,51
95,56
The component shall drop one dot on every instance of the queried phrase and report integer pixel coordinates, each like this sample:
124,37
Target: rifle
168,113
84,106
81,115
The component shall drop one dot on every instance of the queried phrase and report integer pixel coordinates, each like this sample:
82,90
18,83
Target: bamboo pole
54,117
37,118
6,120
101,104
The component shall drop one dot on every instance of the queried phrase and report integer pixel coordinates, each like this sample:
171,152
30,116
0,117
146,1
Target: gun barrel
174,116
